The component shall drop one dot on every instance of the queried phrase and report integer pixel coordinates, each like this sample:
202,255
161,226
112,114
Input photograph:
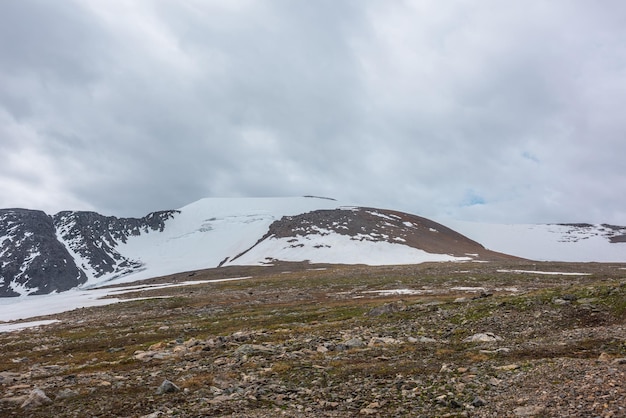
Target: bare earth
295,340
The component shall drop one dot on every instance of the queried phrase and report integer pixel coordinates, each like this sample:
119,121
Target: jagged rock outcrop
39,253
93,238
32,259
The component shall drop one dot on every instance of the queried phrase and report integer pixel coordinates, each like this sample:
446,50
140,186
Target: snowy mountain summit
42,254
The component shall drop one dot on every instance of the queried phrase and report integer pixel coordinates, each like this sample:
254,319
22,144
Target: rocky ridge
41,254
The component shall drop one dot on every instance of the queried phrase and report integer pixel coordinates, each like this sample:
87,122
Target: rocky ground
454,339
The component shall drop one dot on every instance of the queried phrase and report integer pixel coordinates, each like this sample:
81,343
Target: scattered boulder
528,411
350,344
387,308
253,349
478,402
487,337
167,387
66,394
36,397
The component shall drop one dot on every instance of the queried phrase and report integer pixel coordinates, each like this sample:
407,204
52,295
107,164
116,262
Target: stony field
294,340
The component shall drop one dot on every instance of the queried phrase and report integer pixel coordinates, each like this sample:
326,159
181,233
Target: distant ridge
41,254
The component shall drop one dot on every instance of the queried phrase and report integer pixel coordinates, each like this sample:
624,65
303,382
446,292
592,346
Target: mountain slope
92,239
41,254
362,236
91,249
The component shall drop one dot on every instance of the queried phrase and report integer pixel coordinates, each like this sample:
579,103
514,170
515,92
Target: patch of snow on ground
545,272
23,325
13,309
468,289
391,292
382,215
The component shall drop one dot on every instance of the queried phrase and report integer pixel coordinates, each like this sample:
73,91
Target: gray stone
253,349
354,343
167,387
487,337
528,411
387,308
36,397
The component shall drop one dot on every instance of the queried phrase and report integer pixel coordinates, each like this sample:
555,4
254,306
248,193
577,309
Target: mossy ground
303,314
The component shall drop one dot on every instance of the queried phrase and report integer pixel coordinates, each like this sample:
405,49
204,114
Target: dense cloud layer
491,111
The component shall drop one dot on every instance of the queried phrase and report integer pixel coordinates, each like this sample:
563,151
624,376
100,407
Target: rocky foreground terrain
449,339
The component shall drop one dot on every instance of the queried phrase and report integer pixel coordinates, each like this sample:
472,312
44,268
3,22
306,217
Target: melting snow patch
24,325
12,309
545,272
468,289
381,215
390,292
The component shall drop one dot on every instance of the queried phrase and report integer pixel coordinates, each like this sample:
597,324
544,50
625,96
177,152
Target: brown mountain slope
377,225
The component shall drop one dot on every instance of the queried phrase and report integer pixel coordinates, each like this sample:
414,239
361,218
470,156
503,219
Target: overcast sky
476,110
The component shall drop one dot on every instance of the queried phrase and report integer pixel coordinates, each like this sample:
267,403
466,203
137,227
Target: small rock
426,340
167,387
386,309
478,402
455,404
354,343
604,357
253,349
66,394
373,405
508,367
143,355
619,360
156,414
36,398
382,341
157,346
528,411
487,337
219,399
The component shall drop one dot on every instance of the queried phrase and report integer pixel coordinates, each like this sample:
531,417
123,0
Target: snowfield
14,309
213,232
340,249
206,233
545,242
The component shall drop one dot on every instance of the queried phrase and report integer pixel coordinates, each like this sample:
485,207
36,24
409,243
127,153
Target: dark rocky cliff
31,257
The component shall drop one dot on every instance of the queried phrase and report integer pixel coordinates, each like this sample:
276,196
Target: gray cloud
469,110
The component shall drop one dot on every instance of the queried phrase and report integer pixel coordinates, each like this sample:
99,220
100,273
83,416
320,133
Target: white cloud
420,106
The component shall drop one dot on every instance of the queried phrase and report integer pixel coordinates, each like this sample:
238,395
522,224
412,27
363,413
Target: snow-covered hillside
41,254
550,242
207,233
